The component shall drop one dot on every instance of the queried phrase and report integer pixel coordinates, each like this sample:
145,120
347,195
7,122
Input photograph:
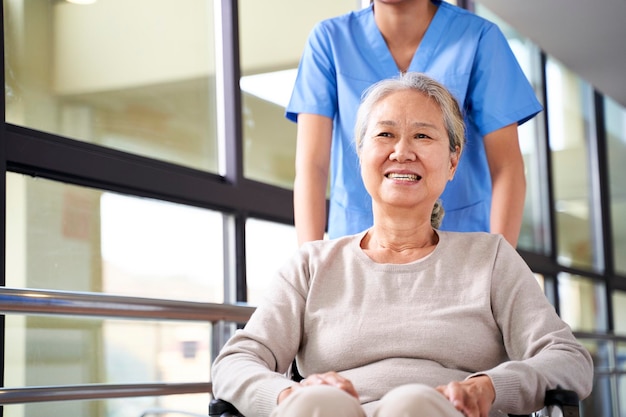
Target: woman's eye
422,136
384,135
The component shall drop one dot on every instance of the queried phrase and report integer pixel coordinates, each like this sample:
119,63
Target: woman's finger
333,379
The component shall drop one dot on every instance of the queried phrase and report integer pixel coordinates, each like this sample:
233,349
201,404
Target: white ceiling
587,36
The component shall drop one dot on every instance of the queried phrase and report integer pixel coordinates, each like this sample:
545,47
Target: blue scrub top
466,53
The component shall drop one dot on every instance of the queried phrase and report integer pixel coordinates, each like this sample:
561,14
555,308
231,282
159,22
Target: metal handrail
29,301
600,336
97,391
52,302
157,411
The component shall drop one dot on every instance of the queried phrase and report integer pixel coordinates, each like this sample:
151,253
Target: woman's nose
403,151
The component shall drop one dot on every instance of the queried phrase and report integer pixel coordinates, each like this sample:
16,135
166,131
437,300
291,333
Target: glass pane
133,75
263,259
621,395
175,405
534,234
73,238
541,280
582,303
68,351
270,52
621,356
600,402
569,125
619,312
547,285
615,127
602,353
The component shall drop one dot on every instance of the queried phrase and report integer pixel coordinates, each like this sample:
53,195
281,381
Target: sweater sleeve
250,370
542,350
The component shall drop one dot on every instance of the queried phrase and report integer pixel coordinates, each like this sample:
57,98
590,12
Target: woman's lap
413,400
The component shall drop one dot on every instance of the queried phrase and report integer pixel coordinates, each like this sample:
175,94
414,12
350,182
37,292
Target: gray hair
452,116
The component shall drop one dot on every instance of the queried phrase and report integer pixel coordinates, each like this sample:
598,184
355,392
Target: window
534,234
270,52
615,128
81,239
137,76
570,129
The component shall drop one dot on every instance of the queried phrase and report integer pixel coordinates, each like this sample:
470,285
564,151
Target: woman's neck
404,22
403,26
399,242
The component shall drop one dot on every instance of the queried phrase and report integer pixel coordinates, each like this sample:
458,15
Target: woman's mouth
403,177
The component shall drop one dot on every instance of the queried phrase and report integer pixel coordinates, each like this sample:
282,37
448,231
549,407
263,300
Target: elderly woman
403,319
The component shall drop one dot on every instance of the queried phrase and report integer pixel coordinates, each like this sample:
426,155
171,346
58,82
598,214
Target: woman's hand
328,378
473,397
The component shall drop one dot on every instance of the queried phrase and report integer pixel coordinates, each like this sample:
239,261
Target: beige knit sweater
471,306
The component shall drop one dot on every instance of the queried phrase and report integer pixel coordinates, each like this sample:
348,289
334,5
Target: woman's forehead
407,103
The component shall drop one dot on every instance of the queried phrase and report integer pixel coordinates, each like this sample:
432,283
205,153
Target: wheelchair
558,403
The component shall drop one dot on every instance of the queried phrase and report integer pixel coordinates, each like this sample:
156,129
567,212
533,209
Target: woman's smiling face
405,153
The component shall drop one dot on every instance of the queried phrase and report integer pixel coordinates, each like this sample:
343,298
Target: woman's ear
454,162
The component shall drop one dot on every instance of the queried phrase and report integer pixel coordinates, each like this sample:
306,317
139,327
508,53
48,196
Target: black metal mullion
240,247
228,74
547,161
467,4
600,182
45,155
231,141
